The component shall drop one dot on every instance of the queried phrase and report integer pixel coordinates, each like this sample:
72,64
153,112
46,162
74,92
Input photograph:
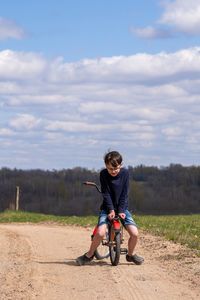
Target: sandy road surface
38,262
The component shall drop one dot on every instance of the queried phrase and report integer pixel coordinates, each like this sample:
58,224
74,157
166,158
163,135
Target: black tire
103,251
114,248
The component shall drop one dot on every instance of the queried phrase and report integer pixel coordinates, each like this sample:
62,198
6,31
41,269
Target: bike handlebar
92,184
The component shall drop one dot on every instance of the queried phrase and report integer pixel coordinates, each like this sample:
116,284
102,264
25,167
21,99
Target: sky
81,78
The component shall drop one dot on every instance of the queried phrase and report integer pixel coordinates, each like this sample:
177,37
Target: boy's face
113,171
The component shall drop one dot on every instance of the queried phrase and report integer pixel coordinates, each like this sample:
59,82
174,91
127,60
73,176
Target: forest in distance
174,189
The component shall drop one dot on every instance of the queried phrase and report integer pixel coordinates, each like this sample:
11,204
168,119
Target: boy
114,186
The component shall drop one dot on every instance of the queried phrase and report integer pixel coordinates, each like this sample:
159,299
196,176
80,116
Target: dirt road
38,262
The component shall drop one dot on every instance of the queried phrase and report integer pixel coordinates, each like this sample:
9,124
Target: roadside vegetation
174,190
184,229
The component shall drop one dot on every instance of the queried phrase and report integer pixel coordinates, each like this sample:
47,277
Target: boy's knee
101,232
134,232
134,235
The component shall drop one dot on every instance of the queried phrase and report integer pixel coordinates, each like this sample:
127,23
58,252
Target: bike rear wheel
114,247
103,251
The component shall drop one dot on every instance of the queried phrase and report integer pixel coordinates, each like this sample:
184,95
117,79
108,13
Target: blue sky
78,78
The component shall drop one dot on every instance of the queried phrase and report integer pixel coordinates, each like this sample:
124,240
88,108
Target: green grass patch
10,216
184,229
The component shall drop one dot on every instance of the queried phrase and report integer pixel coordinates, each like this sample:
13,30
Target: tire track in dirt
160,277
16,275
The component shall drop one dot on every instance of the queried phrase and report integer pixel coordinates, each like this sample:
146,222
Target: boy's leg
133,237
131,227
101,231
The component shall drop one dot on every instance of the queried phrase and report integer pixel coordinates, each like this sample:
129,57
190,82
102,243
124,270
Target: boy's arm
124,196
106,194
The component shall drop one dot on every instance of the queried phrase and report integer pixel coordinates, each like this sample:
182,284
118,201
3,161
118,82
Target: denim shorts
103,218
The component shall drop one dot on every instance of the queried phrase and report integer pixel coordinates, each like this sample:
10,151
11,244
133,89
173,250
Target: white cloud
172,132
138,104
6,132
134,69
179,17
25,122
151,32
92,75
183,15
19,98
8,29
131,110
21,65
77,126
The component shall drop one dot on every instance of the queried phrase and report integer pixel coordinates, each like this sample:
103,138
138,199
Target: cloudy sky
78,78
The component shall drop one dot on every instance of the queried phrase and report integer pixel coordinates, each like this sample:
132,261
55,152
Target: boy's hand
111,215
122,215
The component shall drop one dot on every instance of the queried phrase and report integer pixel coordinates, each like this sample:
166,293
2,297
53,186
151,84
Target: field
184,229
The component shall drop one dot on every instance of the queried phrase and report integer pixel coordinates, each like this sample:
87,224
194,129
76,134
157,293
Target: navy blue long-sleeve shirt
115,190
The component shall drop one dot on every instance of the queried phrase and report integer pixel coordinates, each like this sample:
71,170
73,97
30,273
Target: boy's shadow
72,262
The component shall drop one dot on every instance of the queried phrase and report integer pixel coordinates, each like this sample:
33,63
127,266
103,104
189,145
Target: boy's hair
113,158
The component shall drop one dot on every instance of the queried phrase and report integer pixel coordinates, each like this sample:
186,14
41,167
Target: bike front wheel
114,247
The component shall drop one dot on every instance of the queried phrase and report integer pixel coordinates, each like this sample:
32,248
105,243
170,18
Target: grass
184,229
9,216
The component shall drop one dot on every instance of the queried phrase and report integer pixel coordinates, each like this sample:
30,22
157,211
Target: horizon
98,170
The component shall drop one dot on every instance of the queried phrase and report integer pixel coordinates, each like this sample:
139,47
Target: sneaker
138,260
82,260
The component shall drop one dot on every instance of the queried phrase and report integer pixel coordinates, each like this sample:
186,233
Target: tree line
166,190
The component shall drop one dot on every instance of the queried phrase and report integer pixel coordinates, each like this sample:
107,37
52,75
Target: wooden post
17,198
